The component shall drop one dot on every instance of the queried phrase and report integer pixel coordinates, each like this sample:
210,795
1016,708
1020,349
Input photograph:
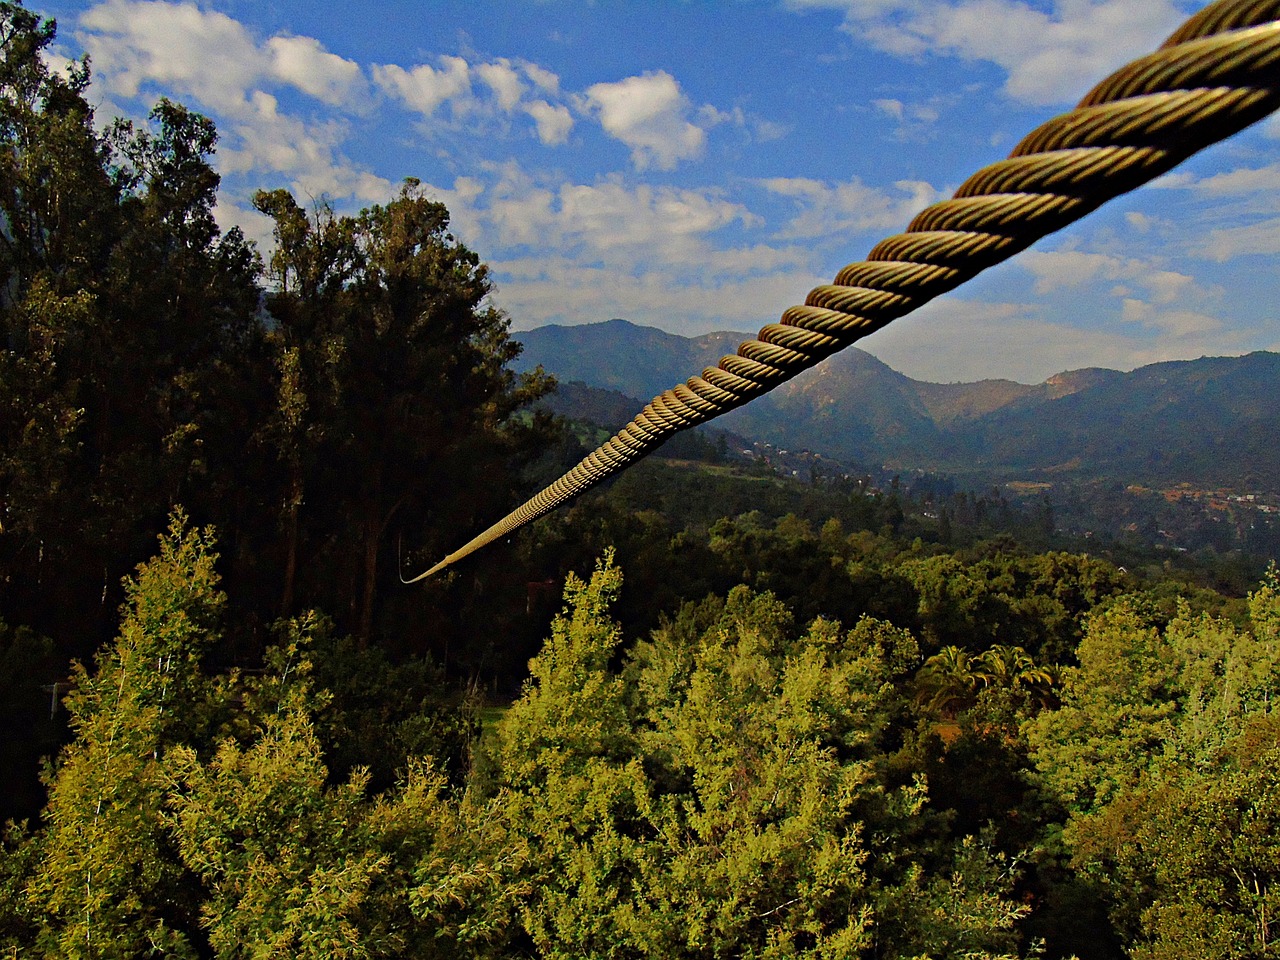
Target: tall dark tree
187,349
395,400
128,328
55,186
55,199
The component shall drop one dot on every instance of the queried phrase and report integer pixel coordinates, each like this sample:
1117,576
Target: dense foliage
735,784
815,719
351,402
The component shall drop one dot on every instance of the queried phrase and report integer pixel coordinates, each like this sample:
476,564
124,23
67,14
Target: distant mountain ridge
620,355
1207,421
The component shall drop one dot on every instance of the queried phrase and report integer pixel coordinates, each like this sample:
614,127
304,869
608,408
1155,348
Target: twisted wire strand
1217,74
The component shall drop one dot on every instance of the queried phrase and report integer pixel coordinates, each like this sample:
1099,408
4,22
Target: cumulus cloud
609,221
1142,223
424,87
304,63
1173,324
1236,212
568,291
650,114
134,43
503,79
542,78
964,340
891,108
1049,57
1258,184
308,153
611,215
141,47
1166,302
831,209
1253,239
553,121
1073,269
914,120
564,251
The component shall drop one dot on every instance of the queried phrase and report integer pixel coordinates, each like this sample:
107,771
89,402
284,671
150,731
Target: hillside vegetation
1202,422
720,707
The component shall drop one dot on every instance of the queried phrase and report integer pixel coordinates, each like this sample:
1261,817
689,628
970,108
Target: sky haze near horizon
699,166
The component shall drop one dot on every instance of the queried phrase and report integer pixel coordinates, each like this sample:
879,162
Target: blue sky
699,166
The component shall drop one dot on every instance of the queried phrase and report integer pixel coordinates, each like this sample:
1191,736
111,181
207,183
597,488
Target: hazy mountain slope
851,406
1209,421
619,355
604,407
948,402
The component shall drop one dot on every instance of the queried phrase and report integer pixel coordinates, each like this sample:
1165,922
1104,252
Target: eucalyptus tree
726,793
395,401
1163,753
128,325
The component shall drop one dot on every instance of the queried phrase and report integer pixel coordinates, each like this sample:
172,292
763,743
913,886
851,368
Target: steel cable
1216,75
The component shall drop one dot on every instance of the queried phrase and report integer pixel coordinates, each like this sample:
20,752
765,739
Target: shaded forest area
763,719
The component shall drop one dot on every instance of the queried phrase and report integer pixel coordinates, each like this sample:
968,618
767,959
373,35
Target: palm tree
1013,668
946,684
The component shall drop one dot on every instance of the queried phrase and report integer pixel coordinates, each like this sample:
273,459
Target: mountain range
1208,422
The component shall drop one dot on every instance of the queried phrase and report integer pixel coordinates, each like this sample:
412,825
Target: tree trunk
291,547
375,526
372,534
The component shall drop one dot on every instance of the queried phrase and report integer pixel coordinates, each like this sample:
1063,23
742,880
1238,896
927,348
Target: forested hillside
326,409
709,710
619,355
1002,755
1202,422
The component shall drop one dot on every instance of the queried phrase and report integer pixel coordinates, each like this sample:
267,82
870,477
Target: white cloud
136,43
1049,57
610,215
143,47
542,78
1073,269
304,63
504,81
519,212
208,55
424,88
1166,302
1141,222
649,114
760,130
569,252
1243,181
828,210
1173,325
890,108
1069,268
759,259
765,131
307,153
559,290
553,121
1235,214
912,118
964,340
1255,239
609,221
1168,286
